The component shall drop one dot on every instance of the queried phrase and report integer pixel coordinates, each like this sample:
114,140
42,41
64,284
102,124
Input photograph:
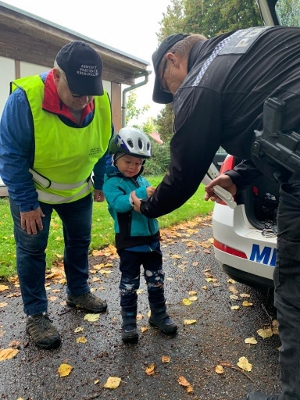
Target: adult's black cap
83,68
159,96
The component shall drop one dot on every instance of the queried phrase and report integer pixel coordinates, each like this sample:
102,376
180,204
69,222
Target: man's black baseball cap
83,68
159,96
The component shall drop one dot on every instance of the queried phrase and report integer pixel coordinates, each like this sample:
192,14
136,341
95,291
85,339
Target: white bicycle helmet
131,141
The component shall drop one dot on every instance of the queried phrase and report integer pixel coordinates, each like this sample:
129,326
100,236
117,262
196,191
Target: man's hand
136,202
225,182
150,190
31,220
98,195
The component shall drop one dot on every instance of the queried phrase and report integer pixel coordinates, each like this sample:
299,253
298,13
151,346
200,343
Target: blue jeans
31,257
130,265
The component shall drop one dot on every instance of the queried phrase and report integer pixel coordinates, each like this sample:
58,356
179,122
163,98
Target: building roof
29,38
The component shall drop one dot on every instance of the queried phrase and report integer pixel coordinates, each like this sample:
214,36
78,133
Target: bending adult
218,88
55,131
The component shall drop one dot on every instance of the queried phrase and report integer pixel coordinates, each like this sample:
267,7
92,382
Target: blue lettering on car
267,256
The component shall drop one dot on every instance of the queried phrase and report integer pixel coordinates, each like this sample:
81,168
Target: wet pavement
217,337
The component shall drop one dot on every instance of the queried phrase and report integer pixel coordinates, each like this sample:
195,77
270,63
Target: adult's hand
150,190
225,182
31,221
99,195
136,202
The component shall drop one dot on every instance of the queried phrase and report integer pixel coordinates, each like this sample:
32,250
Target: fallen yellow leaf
81,339
192,293
244,295
3,287
91,317
251,340
64,370
219,369
6,354
150,370
235,307
78,329
144,329
183,382
193,298
247,304
165,359
189,321
231,281
265,333
186,302
112,382
244,364
3,304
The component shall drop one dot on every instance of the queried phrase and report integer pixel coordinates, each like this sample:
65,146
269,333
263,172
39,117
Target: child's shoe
161,320
129,328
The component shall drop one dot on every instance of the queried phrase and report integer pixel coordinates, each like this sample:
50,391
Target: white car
3,189
245,236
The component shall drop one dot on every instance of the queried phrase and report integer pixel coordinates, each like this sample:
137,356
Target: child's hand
150,190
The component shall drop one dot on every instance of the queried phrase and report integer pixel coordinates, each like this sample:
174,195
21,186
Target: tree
132,111
288,12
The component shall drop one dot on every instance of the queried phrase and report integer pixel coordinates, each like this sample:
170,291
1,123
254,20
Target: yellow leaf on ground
91,317
3,304
144,329
265,333
244,364
189,321
3,287
234,297
186,302
244,295
112,382
246,303
235,307
193,298
78,329
175,256
139,317
64,370
204,287
6,354
192,293
96,381
231,281
81,339
165,359
150,370
183,382
219,369
251,340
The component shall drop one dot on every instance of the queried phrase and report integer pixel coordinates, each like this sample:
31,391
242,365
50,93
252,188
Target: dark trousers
130,267
31,256
287,289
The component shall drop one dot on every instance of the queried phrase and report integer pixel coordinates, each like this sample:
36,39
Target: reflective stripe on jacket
65,155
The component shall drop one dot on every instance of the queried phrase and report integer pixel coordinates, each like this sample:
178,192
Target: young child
137,237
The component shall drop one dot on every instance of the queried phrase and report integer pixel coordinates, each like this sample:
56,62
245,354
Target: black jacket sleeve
196,140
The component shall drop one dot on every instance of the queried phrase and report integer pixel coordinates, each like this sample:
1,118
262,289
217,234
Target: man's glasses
162,86
72,93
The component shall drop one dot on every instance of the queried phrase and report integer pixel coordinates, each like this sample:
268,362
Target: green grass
102,228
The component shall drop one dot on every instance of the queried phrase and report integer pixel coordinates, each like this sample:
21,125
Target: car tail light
228,249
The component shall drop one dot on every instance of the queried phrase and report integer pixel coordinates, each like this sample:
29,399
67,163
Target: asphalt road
216,338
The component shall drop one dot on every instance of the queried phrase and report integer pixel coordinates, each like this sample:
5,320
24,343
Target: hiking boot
88,301
130,334
42,332
160,319
261,396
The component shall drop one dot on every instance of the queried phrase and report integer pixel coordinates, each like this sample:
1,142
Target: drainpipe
132,87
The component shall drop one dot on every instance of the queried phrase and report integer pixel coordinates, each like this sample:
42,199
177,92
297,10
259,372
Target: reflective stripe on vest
46,183
56,199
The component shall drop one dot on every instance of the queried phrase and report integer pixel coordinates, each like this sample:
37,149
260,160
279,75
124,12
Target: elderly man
55,131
